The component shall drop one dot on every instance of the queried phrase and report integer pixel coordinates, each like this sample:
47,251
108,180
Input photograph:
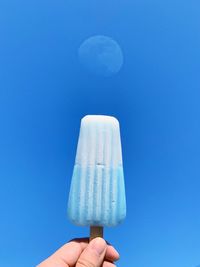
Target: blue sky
44,93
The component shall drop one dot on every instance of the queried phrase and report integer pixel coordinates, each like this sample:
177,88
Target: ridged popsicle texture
97,193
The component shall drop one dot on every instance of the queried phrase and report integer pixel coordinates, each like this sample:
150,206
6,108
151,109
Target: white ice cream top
99,142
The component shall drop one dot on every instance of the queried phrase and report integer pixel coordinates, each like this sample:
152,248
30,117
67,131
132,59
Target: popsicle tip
100,118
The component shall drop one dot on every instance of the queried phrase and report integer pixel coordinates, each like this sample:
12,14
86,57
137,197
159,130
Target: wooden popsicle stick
96,231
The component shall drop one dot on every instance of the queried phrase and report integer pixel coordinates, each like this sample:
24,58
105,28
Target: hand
80,253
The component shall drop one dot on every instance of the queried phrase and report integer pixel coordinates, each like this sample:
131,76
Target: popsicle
97,193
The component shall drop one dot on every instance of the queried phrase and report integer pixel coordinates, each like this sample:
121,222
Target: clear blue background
44,92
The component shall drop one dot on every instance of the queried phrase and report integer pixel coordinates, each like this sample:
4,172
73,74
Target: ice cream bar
97,193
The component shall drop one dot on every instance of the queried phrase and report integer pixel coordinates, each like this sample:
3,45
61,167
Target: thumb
93,255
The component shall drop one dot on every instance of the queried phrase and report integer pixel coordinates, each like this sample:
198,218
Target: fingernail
99,245
116,252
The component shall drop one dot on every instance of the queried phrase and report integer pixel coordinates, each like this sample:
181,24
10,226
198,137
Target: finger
81,239
52,263
111,254
108,264
67,255
70,252
94,253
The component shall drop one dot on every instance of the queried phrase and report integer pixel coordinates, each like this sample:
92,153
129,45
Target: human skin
82,253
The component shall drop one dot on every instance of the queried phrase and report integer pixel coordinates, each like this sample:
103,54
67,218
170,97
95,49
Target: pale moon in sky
101,55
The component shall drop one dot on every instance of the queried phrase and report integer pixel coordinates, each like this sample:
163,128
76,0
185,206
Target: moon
101,55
